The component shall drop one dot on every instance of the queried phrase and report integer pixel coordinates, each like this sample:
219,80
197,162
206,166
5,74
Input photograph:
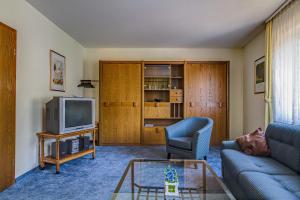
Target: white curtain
286,65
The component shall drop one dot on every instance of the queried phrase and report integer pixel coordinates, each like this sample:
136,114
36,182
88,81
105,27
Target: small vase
171,189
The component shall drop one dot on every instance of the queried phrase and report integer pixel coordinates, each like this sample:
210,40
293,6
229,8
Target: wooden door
206,89
120,104
7,105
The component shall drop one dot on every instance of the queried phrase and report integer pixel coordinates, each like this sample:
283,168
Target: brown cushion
254,143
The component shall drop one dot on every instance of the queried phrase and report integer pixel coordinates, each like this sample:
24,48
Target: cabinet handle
106,104
134,104
191,104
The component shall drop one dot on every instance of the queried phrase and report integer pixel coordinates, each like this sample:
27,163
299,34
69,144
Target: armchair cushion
181,142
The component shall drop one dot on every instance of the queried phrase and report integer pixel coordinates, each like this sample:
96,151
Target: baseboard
19,178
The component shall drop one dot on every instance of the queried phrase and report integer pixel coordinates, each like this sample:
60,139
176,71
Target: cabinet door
120,104
7,105
154,135
207,95
157,110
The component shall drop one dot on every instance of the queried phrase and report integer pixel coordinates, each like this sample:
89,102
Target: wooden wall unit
139,99
120,102
7,105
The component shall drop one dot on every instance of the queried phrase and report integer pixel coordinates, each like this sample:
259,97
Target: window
286,66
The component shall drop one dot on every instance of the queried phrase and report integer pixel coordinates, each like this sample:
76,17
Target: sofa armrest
231,145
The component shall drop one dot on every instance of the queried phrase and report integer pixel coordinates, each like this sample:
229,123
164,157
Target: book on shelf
149,125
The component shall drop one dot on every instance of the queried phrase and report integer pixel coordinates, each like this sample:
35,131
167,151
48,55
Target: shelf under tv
163,118
58,137
51,160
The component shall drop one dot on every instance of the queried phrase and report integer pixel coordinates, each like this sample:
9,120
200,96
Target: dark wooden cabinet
7,105
207,95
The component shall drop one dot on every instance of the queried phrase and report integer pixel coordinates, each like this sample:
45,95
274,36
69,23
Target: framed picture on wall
259,75
57,71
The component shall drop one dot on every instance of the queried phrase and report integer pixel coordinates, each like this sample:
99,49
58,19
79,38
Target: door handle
220,105
192,104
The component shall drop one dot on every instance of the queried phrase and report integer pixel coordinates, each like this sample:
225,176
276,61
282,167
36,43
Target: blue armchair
189,138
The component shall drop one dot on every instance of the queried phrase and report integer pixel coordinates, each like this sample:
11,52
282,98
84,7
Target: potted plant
171,182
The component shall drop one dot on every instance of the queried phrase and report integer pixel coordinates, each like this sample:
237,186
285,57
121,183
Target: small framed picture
57,71
259,75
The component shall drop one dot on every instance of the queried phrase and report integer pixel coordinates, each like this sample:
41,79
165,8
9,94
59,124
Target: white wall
36,35
253,103
235,56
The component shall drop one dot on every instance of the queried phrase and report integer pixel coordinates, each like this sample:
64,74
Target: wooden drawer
154,135
157,110
176,99
176,92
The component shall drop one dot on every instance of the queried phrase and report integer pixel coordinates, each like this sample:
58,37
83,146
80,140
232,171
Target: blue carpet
87,179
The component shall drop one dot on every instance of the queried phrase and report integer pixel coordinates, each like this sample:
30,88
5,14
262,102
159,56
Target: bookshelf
163,99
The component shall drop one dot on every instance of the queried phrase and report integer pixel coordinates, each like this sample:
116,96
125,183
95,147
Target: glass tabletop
145,179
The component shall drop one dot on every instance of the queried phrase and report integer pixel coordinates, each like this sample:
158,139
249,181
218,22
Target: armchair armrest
198,134
231,145
201,141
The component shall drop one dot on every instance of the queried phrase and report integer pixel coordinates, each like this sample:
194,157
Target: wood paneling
120,102
207,89
7,105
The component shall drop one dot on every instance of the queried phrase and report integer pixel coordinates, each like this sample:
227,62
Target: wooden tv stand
58,137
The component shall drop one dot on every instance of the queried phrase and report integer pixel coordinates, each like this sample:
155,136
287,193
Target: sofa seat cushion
239,162
258,185
181,142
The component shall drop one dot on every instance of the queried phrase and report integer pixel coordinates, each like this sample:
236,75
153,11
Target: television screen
78,113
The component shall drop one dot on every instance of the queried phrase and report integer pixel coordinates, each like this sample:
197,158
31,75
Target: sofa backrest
284,143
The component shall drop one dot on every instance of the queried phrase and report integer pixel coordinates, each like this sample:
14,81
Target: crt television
68,114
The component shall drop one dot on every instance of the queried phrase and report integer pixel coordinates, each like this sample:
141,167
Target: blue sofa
274,177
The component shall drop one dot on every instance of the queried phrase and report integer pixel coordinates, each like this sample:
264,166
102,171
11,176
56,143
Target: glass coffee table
144,179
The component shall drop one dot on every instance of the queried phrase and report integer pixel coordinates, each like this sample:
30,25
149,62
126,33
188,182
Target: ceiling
158,23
